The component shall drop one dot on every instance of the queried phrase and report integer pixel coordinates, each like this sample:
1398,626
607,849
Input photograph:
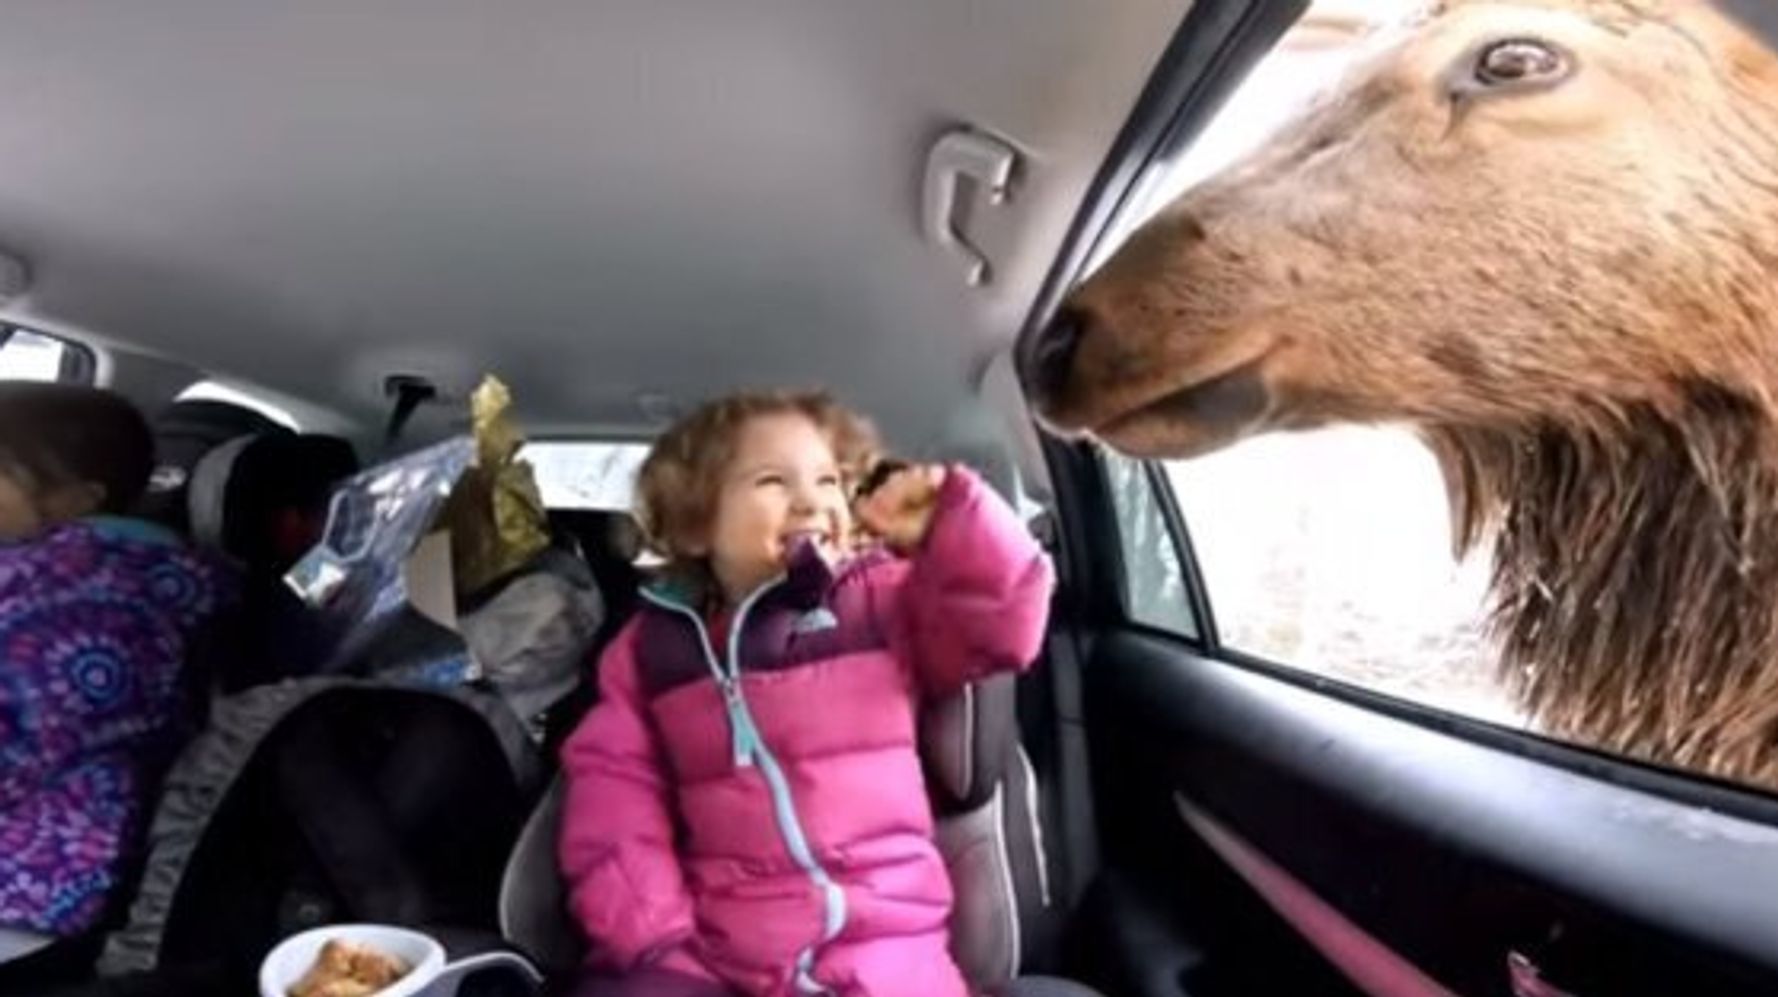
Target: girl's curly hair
678,485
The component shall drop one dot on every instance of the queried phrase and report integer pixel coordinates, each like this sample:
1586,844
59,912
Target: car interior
332,219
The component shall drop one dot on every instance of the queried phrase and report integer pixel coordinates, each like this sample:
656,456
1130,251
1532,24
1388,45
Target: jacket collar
803,585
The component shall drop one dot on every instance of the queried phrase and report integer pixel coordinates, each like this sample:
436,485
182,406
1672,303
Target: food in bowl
344,969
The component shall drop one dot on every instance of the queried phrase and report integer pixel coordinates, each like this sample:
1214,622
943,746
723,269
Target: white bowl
295,955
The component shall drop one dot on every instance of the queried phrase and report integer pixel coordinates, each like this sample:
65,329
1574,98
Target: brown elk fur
1570,291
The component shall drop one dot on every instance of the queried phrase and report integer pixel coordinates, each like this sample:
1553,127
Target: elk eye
1521,62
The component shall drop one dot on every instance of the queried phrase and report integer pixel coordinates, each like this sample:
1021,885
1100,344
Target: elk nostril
1051,358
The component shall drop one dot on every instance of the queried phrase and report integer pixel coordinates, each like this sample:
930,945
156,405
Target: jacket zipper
749,750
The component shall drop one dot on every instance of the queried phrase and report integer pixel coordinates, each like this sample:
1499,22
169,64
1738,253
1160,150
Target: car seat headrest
206,492
239,489
183,433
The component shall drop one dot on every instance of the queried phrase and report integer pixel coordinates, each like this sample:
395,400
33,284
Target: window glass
1331,551
34,356
1154,582
586,474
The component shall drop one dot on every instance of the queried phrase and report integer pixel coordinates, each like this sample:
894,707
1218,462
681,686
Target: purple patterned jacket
95,619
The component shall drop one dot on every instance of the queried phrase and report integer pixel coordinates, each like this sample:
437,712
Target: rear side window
27,355
598,475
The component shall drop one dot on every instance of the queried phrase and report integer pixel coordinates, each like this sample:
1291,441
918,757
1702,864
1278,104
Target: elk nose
1050,357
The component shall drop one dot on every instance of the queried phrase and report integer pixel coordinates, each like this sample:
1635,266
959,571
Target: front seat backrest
238,489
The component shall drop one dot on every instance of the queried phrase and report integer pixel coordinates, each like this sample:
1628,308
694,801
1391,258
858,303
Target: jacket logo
815,621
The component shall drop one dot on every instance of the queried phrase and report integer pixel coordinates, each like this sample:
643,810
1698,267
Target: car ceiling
602,201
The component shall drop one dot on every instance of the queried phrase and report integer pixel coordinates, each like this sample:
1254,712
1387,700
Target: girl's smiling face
783,488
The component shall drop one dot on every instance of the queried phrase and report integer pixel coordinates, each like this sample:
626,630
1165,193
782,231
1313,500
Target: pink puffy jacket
757,812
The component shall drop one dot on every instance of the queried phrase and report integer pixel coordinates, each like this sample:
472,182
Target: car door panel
1455,855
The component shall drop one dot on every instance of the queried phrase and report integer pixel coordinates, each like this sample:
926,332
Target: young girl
745,806
95,614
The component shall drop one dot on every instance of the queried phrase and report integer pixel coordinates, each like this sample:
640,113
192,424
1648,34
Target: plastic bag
362,577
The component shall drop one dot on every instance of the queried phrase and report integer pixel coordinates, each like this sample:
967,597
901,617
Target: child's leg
648,983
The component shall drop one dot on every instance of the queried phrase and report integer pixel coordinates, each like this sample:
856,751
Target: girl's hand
899,511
